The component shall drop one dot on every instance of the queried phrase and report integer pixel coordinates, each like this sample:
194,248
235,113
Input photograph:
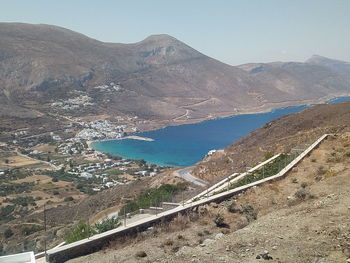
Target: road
185,174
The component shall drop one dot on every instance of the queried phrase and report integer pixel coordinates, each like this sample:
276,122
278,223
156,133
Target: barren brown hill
277,136
161,78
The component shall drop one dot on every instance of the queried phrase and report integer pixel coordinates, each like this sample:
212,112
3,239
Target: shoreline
130,137
264,108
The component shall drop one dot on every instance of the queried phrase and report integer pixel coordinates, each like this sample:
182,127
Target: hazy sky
232,31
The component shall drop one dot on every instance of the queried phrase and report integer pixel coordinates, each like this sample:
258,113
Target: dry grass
18,161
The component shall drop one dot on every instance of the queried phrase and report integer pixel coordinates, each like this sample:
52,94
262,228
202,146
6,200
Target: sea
185,145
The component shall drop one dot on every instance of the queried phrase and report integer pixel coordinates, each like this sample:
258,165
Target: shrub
68,199
154,196
321,170
303,185
232,208
8,233
27,230
107,224
55,179
80,231
168,242
301,194
249,212
219,220
268,155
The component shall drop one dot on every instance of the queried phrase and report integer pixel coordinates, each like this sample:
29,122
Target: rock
219,235
208,241
183,250
265,256
274,247
348,260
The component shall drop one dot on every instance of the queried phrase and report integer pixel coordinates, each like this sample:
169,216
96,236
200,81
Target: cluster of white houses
100,130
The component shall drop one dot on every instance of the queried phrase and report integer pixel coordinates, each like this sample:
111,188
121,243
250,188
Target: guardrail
96,242
230,179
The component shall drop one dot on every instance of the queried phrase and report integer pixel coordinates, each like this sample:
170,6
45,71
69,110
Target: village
56,167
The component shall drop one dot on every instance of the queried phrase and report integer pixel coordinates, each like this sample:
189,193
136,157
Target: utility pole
45,230
182,194
124,217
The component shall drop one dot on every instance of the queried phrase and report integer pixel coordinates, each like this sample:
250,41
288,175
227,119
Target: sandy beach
132,137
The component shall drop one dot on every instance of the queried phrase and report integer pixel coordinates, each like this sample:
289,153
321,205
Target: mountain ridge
161,78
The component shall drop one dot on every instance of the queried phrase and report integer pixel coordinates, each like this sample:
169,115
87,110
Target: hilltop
160,79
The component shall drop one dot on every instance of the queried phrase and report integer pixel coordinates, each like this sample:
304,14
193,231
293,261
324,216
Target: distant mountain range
159,78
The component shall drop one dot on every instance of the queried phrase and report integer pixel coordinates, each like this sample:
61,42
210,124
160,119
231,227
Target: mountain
159,78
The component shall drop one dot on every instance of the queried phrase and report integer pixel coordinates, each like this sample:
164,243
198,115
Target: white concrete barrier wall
26,257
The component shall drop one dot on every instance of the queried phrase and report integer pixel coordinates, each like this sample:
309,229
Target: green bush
153,197
107,224
68,199
268,155
219,220
268,170
301,193
23,200
80,231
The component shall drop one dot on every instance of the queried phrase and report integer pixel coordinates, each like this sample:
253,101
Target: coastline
130,137
264,108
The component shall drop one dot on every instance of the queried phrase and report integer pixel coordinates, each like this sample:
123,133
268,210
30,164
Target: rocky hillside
280,135
158,78
301,218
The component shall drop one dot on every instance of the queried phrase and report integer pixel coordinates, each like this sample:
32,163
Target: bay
184,145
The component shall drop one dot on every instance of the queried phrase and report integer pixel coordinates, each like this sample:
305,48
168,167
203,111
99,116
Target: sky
232,31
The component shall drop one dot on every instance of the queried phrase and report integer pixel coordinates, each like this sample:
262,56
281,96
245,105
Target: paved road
185,174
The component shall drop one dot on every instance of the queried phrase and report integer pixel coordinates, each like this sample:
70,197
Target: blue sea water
185,145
